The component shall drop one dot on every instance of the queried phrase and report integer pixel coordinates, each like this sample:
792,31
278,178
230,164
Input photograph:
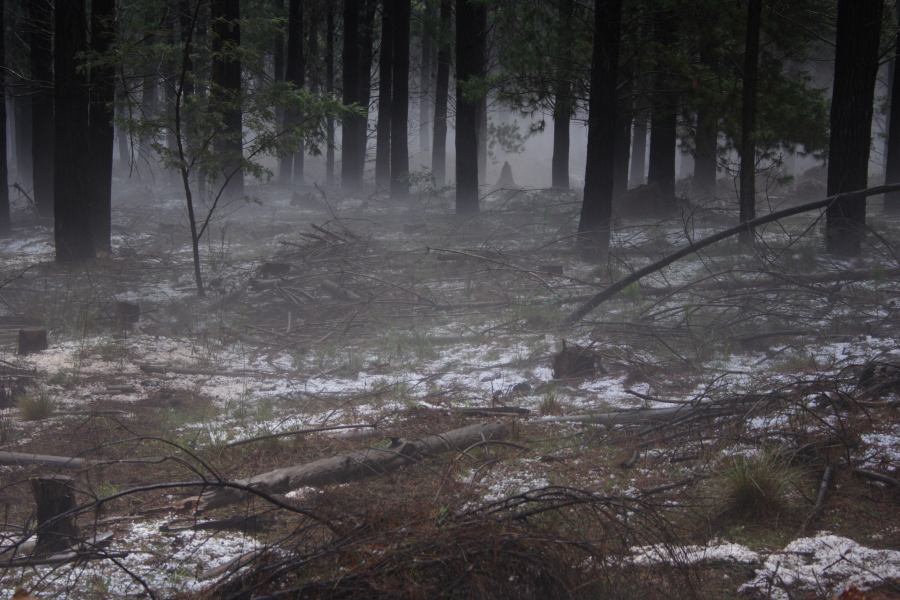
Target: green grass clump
756,486
36,407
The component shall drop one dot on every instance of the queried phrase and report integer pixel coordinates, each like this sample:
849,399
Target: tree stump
32,341
126,314
54,495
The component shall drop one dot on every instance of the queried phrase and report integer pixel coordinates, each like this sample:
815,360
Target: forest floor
728,427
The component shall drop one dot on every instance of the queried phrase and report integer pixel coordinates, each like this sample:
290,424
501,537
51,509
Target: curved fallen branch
693,247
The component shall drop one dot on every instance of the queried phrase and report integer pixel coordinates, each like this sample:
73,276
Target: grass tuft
756,486
36,407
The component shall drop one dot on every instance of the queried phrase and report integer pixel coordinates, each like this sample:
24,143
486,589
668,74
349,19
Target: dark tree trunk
313,66
596,210
638,163
72,205
748,118
149,109
358,19
225,95
351,177
364,83
329,87
385,74
855,70
705,155
291,166
471,31
278,45
122,141
40,18
624,111
892,160
663,115
400,102
4,174
482,117
425,80
22,115
441,92
103,82
562,107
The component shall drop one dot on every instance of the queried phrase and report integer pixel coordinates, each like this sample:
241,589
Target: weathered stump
127,314
54,496
32,341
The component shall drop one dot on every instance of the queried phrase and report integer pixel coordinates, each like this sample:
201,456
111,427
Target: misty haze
465,299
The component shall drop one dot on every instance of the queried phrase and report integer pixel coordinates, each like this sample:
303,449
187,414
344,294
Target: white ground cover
826,565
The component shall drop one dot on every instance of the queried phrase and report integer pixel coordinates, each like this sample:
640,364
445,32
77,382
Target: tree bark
4,174
441,92
706,144
103,81
278,45
400,102
471,30
624,112
663,114
329,88
748,119
425,80
855,70
638,163
72,206
291,165
385,75
596,209
22,116
562,106
351,179
55,495
892,160
40,18
225,94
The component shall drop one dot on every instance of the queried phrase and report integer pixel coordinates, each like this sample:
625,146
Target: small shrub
35,407
756,486
550,405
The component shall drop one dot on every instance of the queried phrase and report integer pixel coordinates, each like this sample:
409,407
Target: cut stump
54,496
32,341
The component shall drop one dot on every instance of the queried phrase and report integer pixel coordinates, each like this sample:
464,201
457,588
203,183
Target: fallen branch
23,458
879,477
629,417
693,247
355,466
273,436
820,498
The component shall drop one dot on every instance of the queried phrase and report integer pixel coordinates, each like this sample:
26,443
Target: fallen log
630,417
355,466
24,458
694,247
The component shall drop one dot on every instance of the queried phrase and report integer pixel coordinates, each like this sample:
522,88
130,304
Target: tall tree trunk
482,119
103,86
40,17
706,145
664,114
385,75
562,98
748,118
638,163
471,31
622,153
291,165
364,84
22,115
596,209
425,80
892,160
400,103
4,174
123,144
225,95
72,207
855,70
313,66
351,179
329,88
441,92
278,44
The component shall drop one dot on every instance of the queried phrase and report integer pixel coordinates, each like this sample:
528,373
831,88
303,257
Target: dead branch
23,458
355,466
694,247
